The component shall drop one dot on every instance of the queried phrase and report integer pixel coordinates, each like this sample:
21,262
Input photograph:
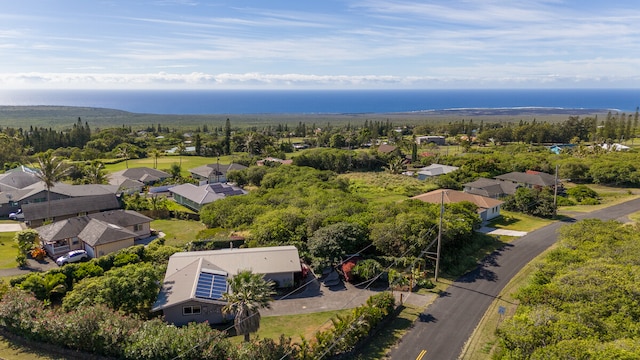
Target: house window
191,310
84,213
74,241
137,227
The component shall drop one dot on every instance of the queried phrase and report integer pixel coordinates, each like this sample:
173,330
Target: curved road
449,321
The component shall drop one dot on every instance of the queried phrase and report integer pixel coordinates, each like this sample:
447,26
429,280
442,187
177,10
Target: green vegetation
8,250
510,220
581,302
306,325
178,232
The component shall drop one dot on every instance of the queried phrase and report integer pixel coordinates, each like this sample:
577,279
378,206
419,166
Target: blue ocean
324,101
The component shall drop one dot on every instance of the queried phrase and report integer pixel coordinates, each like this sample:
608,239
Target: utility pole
439,236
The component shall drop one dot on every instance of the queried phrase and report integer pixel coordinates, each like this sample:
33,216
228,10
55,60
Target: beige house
195,281
99,234
488,208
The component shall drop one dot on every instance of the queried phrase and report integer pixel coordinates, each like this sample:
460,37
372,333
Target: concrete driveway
494,231
11,227
314,297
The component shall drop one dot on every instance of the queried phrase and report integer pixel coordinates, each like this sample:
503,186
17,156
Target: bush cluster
102,331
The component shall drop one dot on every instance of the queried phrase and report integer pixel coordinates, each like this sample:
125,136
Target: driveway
11,227
494,231
314,297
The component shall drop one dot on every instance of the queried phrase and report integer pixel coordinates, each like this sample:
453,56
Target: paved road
449,321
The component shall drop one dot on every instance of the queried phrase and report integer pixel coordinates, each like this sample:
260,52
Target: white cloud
515,76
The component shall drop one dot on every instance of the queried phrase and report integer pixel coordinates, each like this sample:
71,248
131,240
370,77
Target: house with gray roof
195,281
491,188
435,170
134,179
98,234
530,179
36,214
100,238
12,200
18,178
195,197
214,173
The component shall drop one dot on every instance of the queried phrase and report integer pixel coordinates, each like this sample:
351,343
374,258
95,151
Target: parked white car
72,256
18,215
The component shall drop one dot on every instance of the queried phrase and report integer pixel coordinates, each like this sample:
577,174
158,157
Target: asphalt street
445,326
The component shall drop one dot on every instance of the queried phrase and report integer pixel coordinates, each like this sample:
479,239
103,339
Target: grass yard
304,325
608,196
518,221
15,350
380,187
178,232
165,162
8,250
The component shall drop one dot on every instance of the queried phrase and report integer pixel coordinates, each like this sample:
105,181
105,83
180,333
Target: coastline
58,117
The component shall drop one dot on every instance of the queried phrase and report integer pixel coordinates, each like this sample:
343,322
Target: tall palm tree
156,154
182,148
52,170
247,294
124,151
96,173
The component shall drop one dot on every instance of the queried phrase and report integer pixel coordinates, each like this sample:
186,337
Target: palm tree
156,154
247,294
52,170
181,150
124,151
95,172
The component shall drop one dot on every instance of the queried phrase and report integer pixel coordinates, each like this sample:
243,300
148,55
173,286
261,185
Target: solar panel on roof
211,286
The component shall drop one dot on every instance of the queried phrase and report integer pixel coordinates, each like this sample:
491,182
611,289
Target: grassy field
381,187
164,163
178,232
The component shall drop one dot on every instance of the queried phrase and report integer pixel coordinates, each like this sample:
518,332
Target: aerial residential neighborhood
229,243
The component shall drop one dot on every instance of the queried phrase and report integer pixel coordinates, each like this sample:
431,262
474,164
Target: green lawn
305,325
518,221
178,232
16,350
165,162
8,250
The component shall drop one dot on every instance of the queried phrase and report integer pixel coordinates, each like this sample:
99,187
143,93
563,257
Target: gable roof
121,217
490,187
263,260
70,206
437,169
63,229
18,178
98,232
534,178
181,285
207,193
72,227
142,174
210,170
184,268
454,196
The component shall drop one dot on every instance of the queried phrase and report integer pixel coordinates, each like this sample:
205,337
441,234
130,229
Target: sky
322,44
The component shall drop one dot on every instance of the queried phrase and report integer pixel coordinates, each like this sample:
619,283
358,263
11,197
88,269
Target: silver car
72,256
